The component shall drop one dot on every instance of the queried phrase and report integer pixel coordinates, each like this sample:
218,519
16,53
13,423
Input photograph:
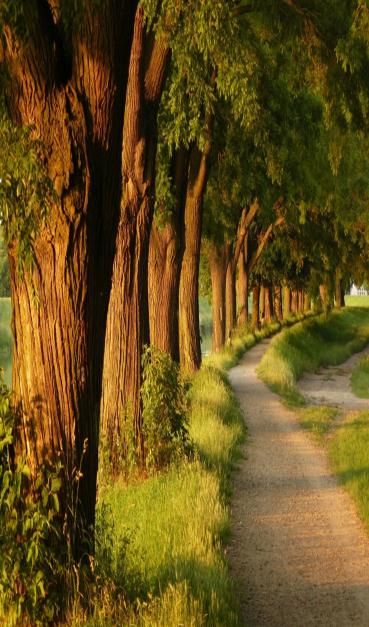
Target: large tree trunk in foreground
59,308
256,307
217,262
127,328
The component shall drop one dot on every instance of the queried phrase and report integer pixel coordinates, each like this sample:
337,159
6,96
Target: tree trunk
242,288
164,265
230,295
218,279
324,297
127,328
339,291
268,306
163,289
256,307
59,308
277,302
300,301
287,297
262,303
189,324
307,302
294,302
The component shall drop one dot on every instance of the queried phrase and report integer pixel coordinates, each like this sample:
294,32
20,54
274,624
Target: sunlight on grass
310,344
349,457
318,420
360,378
161,539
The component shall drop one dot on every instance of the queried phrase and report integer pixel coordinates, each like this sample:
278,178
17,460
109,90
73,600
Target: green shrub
165,428
31,562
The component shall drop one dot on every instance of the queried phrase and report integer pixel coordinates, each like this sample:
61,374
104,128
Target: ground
298,549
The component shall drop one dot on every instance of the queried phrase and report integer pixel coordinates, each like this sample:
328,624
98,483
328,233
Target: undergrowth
360,378
349,458
312,343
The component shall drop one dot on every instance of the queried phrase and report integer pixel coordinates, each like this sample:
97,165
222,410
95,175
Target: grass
357,301
163,538
349,457
310,344
360,378
317,419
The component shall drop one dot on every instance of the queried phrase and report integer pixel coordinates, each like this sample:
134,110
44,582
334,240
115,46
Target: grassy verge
162,539
349,457
311,344
360,378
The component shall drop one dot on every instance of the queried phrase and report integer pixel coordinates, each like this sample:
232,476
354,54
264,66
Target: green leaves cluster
31,558
164,412
26,191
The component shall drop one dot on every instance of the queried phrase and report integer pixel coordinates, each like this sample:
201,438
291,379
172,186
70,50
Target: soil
298,549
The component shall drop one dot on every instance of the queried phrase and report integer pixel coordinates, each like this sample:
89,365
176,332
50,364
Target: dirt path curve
298,550
331,386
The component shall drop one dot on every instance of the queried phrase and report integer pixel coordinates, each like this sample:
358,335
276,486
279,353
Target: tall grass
360,378
161,540
349,457
312,343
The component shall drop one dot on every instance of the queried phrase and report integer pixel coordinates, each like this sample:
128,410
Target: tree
67,81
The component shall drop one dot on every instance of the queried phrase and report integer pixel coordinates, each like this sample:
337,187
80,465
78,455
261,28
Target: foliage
31,559
165,429
4,269
25,189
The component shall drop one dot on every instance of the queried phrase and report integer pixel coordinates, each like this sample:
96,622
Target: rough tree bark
307,302
255,323
268,304
230,296
339,291
72,94
294,302
242,287
287,297
189,325
217,261
277,302
127,329
164,266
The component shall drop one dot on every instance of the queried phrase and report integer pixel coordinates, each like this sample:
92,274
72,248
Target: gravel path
298,550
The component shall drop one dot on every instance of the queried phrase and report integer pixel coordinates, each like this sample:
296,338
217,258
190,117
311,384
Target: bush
165,428
30,535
